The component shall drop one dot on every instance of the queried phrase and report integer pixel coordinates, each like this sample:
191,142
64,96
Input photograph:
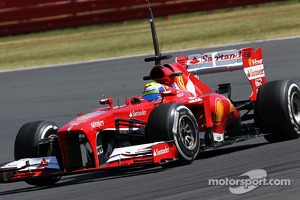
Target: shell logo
231,112
219,110
250,62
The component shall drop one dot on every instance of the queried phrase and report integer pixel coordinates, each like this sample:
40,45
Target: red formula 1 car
185,118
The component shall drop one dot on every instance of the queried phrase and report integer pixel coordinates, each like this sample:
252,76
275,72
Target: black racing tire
26,146
277,110
176,122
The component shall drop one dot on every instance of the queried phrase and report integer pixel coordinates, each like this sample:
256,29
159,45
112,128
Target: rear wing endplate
229,60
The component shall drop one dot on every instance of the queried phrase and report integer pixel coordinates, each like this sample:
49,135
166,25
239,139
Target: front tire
175,122
27,142
278,110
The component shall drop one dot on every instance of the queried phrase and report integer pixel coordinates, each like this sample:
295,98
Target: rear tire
26,146
175,122
278,110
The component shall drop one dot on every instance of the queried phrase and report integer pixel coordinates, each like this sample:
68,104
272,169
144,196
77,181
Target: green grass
193,30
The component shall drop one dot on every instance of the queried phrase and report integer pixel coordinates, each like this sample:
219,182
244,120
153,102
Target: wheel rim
295,103
187,132
49,131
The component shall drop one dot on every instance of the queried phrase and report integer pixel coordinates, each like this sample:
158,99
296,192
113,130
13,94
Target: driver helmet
152,91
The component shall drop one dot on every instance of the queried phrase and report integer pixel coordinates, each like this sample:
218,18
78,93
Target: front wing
138,155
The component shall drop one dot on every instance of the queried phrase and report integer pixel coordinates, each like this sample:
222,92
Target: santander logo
137,113
254,72
255,69
158,152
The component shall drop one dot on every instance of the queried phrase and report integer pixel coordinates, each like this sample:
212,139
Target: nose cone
85,122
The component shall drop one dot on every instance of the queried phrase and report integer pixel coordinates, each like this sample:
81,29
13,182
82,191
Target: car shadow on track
123,173
108,175
227,150
89,177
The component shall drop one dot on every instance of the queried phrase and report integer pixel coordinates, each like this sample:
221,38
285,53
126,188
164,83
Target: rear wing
229,60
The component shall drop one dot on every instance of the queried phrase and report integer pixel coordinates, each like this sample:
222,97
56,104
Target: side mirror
106,101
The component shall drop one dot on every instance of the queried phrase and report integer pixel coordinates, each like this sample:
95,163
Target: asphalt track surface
59,93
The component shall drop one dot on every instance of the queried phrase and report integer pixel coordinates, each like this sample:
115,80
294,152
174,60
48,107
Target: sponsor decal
137,113
195,100
254,62
85,117
72,123
10,165
255,72
218,137
43,163
97,124
194,61
258,82
158,152
144,149
221,57
181,94
219,110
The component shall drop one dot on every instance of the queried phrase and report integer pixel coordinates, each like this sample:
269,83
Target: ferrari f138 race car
177,117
